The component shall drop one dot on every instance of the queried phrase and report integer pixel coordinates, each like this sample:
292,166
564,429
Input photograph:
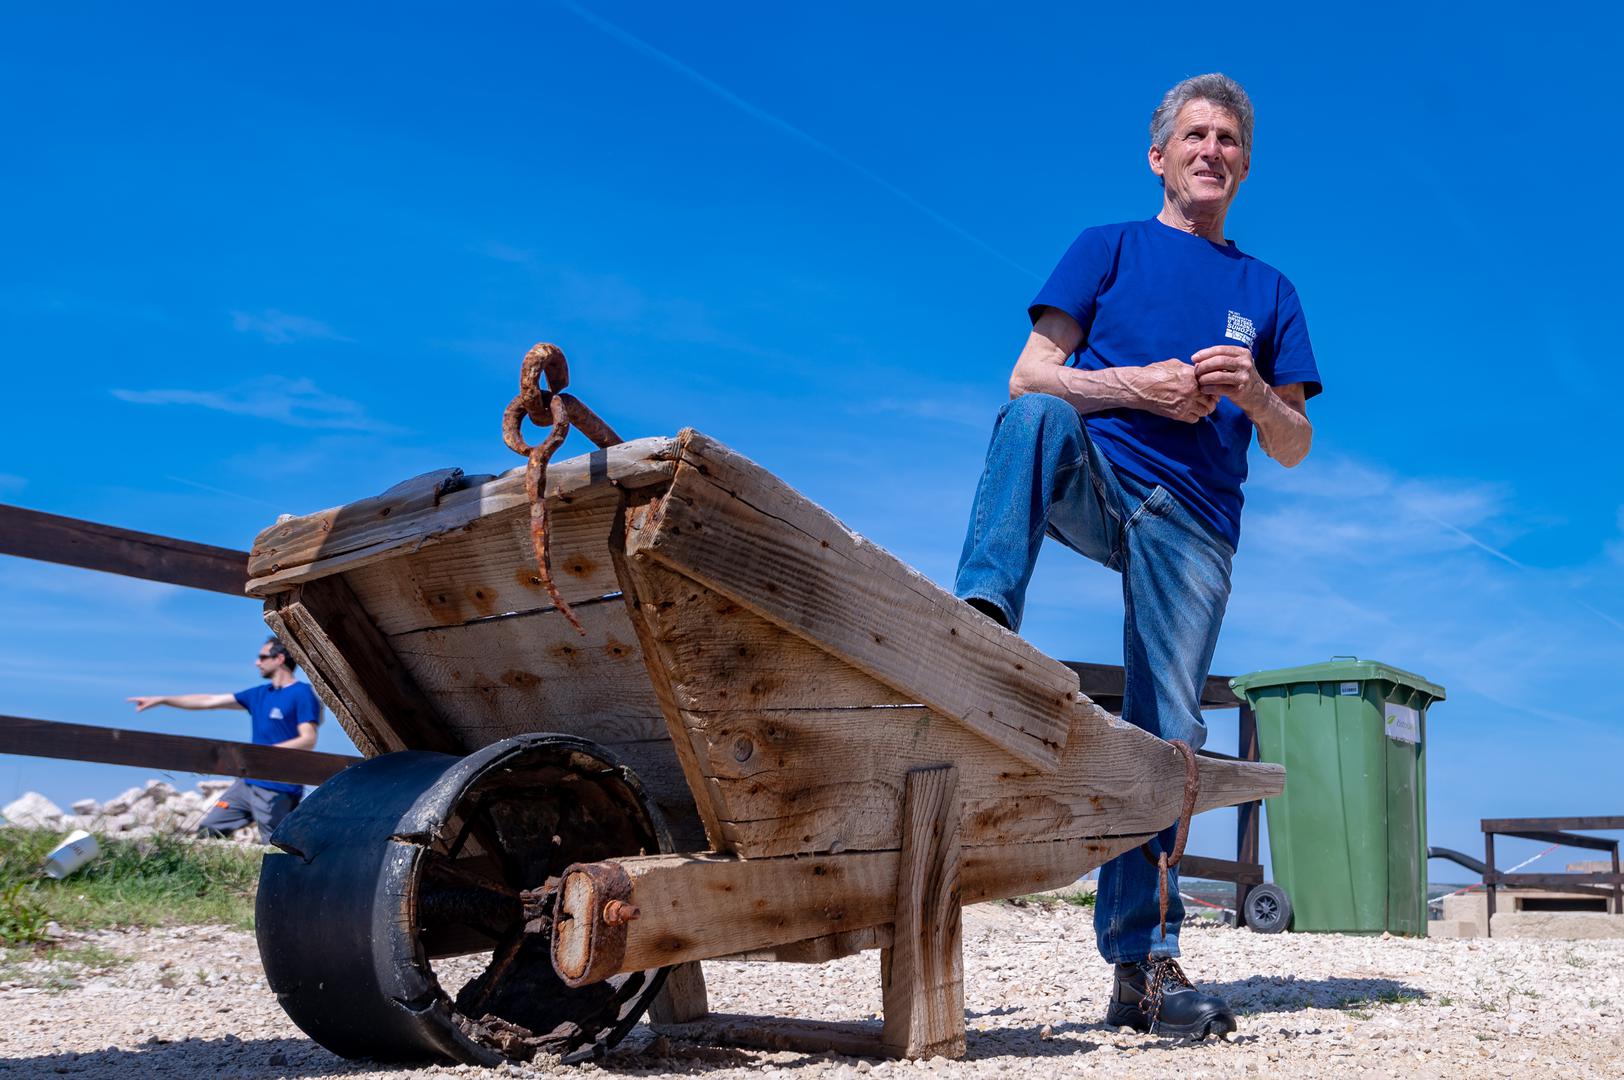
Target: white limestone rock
159,792
120,804
34,811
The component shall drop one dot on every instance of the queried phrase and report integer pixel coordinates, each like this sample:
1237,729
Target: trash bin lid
1337,669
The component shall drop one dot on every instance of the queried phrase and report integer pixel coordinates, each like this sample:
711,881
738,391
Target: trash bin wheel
1268,909
412,858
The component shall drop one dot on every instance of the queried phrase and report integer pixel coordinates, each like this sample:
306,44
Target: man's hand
142,704
1228,370
1171,388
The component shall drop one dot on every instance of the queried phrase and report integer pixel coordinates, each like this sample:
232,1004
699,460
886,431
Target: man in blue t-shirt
283,712
1157,348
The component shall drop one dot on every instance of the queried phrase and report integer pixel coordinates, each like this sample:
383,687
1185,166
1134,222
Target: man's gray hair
1219,89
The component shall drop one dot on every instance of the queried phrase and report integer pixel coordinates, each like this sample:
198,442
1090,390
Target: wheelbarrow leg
923,970
682,999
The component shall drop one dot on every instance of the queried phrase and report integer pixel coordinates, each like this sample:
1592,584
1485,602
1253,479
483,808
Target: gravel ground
192,1002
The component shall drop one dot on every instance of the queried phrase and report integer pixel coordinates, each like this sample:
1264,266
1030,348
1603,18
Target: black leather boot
1156,996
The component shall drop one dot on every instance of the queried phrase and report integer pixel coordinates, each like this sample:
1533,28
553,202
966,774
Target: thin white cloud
296,402
12,482
211,489
637,44
1341,508
1464,535
1357,560
1600,614
281,328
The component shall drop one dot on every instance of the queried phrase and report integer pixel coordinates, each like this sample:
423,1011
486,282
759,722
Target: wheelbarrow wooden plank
641,602
722,657
703,906
845,791
783,773
746,534
488,568
350,536
511,674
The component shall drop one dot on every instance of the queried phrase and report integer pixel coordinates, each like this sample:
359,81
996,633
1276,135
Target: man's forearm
1284,433
194,701
188,701
1086,391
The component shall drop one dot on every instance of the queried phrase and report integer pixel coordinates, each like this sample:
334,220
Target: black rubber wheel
412,857
1268,909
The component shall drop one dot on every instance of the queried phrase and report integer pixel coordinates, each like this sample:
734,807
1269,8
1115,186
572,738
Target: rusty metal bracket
590,921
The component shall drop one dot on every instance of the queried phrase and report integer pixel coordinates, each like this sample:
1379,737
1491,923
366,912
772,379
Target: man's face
267,662
1203,163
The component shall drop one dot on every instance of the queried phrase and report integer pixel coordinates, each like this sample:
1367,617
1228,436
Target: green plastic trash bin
1348,837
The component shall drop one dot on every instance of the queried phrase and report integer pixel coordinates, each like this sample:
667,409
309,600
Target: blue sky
269,262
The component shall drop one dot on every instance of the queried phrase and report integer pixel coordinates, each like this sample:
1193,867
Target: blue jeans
1044,476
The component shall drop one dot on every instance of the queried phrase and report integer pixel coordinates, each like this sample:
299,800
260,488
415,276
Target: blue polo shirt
1144,292
276,715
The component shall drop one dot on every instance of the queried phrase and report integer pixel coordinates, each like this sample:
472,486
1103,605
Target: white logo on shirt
1240,329
276,712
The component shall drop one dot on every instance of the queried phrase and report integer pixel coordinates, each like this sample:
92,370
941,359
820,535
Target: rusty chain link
556,410
1165,969
1163,862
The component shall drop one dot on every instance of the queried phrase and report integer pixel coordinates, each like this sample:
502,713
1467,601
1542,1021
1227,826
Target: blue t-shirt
276,715
1145,292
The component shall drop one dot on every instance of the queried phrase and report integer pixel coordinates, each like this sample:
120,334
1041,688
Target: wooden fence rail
33,534
172,753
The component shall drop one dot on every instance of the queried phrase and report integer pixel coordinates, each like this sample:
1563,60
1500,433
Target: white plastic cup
79,848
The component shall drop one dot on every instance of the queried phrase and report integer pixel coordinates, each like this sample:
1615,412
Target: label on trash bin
1403,723
1348,689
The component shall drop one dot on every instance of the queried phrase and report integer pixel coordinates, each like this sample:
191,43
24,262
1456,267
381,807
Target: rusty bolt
743,748
616,912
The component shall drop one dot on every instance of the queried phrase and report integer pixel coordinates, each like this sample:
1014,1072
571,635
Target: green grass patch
1077,898
152,881
22,916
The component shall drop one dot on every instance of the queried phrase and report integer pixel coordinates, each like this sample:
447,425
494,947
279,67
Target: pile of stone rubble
140,811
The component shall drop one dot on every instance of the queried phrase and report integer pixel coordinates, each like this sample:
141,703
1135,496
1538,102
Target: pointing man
284,713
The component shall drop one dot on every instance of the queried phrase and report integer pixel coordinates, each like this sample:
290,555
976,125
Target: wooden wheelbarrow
773,741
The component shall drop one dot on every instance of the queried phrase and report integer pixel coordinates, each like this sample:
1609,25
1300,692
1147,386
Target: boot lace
1164,972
